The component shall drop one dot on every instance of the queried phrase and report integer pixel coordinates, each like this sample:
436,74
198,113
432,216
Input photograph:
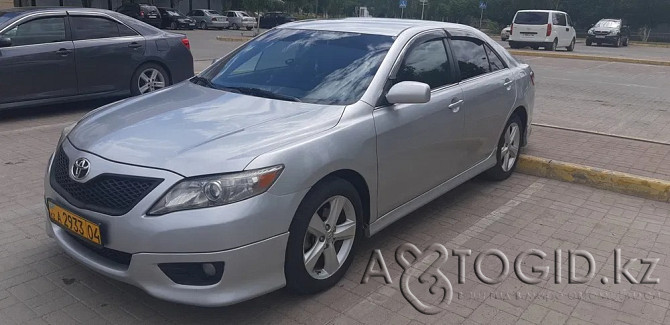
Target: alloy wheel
510,149
150,79
329,237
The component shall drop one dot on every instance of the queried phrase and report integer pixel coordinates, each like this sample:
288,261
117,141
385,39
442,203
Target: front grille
106,253
601,33
106,193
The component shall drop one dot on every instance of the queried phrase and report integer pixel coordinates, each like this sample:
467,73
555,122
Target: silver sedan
269,168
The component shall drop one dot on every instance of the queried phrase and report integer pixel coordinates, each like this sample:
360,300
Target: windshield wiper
202,81
260,93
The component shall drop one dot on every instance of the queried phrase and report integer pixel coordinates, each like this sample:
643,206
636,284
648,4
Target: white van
542,28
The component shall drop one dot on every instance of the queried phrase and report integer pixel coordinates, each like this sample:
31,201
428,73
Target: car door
419,146
572,31
564,33
107,53
489,93
41,52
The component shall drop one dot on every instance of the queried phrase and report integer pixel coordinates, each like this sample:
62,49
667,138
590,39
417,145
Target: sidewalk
617,154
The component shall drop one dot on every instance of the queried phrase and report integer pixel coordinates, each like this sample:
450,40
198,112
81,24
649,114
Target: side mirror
408,92
591,26
5,41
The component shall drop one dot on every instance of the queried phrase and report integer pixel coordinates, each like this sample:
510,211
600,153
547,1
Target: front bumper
249,237
611,39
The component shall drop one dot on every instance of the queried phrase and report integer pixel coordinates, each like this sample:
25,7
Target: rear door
107,53
563,30
530,26
41,52
488,91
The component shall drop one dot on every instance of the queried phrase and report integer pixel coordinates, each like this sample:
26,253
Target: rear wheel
173,25
147,78
322,237
588,43
552,46
571,47
507,154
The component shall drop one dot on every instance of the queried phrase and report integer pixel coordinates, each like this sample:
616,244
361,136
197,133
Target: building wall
6,4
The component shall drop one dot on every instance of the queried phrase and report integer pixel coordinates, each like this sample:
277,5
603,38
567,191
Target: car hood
194,130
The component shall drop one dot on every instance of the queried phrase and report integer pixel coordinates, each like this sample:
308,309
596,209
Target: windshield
608,23
214,12
320,67
174,13
532,18
6,16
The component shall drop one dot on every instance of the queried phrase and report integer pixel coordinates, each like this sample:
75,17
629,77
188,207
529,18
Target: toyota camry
269,168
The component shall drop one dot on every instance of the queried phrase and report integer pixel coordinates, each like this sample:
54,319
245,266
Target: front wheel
588,43
147,78
173,25
323,236
203,25
507,153
249,28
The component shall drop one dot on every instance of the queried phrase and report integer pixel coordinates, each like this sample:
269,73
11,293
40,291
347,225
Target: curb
644,187
589,57
661,45
232,39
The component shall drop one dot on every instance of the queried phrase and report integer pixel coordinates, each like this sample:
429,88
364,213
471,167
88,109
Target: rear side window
560,19
471,57
231,14
38,31
84,28
531,18
427,63
495,63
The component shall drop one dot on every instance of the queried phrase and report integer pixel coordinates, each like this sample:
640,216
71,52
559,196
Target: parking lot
39,284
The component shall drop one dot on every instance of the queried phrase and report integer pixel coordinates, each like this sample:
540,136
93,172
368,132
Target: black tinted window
38,31
321,67
494,60
126,31
532,18
471,57
427,63
562,21
93,27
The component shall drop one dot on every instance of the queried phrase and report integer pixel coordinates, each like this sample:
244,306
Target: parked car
206,19
609,31
142,12
269,168
542,28
504,34
273,19
240,19
98,53
173,19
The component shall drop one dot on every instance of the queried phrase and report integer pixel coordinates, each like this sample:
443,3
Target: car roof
379,26
533,10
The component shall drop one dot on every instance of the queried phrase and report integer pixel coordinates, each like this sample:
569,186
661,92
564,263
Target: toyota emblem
80,168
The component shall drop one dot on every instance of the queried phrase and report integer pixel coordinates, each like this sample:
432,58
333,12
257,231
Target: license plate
152,16
75,224
527,35
600,36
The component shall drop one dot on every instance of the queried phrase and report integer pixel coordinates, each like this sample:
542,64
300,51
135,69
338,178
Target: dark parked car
609,31
173,19
146,13
65,54
273,19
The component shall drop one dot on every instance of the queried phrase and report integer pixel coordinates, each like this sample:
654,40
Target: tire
571,47
138,82
203,25
588,43
250,28
552,46
173,25
234,26
618,42
504,167
625,42
303,239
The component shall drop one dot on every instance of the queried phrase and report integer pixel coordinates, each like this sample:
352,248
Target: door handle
507,82
63,51
134,45
455,105
567,29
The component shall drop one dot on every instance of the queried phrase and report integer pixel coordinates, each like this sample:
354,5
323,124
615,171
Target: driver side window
38,31
427,63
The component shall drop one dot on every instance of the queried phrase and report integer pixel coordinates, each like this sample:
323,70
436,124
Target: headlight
66,131
590,31
215,190
614,32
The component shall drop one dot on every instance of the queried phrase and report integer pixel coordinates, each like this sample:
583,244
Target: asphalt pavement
631,51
